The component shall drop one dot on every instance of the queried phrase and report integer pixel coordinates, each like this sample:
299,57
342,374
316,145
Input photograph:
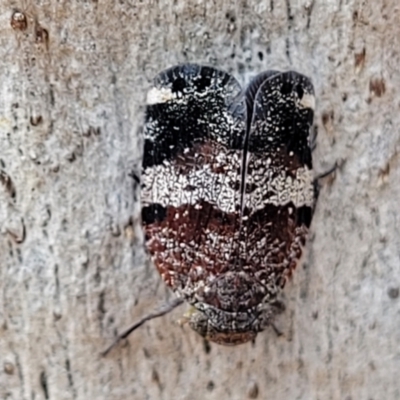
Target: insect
228,193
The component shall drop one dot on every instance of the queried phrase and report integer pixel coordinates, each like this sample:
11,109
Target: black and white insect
228,193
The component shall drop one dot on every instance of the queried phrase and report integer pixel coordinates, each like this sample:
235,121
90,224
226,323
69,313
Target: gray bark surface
73,271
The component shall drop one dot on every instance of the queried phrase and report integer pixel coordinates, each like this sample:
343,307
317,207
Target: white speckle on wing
157,96
166,185
307,101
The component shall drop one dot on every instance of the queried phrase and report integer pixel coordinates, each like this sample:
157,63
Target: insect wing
194,136
279,197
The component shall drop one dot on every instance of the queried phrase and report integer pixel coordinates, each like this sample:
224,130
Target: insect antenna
164,309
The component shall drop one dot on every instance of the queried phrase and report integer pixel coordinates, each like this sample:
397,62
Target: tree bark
73,271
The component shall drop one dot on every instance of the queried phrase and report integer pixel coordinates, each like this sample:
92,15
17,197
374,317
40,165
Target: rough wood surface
72,267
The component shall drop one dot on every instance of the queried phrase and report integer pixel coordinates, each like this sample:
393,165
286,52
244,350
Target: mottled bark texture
73,77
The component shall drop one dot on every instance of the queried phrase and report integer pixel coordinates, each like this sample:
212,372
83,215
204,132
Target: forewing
194,137
279,195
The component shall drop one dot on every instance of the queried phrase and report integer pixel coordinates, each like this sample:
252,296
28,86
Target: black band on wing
281,117
304,216
153,213
199,107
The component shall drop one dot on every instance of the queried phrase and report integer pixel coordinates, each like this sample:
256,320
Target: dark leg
326,173
321,176
276,330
